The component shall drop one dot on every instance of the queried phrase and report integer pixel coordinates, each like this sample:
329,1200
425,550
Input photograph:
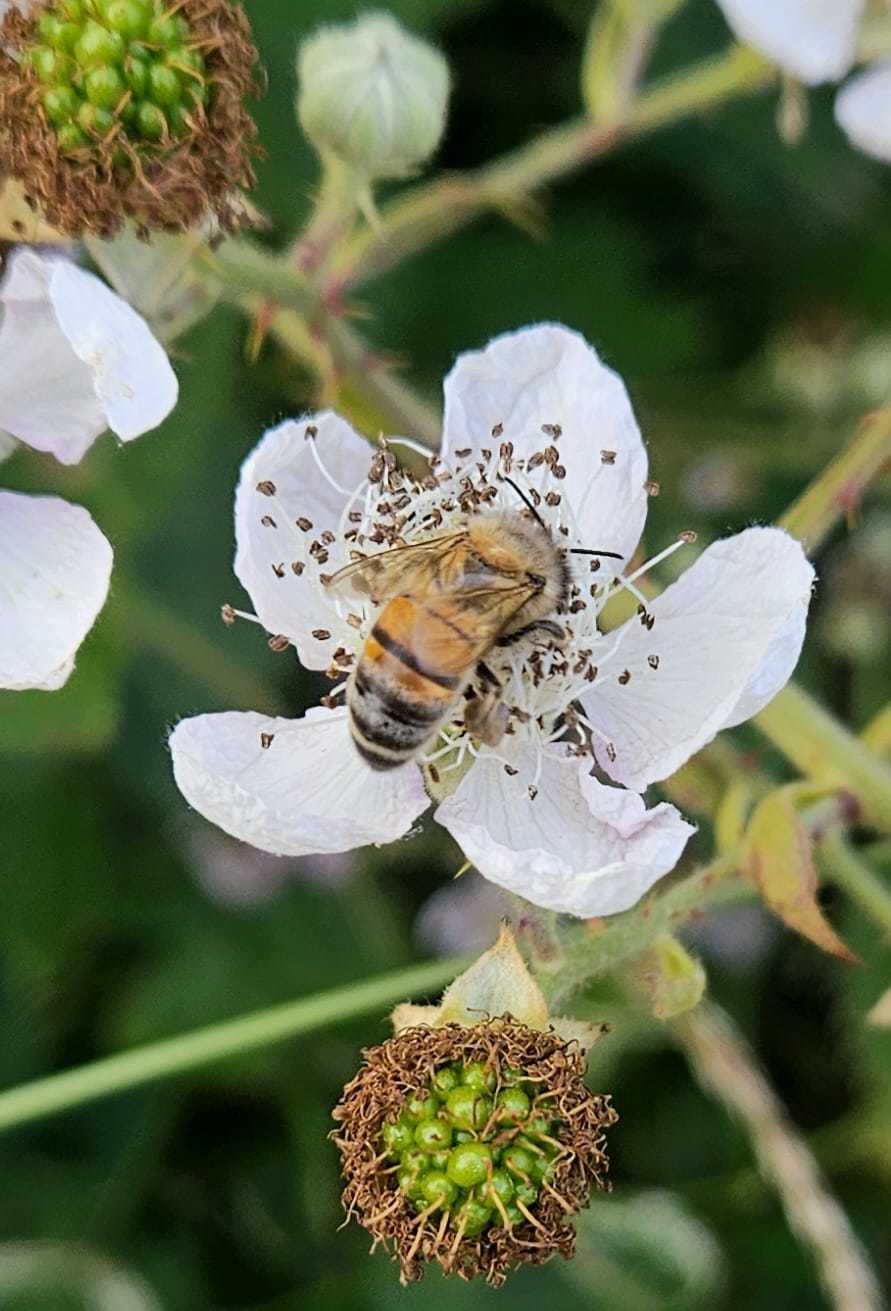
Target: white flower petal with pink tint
729,621
293,787
579,848
814,40
75,359
309,469
55,566
863,111
528,381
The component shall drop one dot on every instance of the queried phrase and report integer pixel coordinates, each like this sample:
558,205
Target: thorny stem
724,1065
435,210
217,1042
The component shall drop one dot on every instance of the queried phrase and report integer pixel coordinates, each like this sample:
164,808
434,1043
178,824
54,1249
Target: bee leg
485,715
554,631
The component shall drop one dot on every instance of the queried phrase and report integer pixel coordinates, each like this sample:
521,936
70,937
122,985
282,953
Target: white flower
533,815
54,570
863,110
75,359
814,40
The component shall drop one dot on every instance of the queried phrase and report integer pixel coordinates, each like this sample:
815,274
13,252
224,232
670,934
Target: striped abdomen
413,667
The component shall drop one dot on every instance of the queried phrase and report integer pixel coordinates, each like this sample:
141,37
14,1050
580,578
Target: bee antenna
581,550
528,504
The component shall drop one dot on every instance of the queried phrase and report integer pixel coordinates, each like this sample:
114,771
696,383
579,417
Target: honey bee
446,603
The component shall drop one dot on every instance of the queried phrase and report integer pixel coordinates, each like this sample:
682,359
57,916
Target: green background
743,289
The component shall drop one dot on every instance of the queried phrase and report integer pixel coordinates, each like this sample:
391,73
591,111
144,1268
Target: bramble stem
845,866
217,1042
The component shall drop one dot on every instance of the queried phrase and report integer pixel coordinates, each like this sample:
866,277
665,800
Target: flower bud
372,96
470,1140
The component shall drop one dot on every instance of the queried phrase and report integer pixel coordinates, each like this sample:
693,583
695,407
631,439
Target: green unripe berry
192,62
129,17
71,138
167,31
539,1125
440,1160
543,1169
445,1080
479,1076
164,86
65,36
525,1193
510,1075
60,104
433,1136
178,120
468,1108
136,75
422,1105
514,1215
99,46
463,1136
95,122
46,27
51,66
398,1137
469,1164
104,87
519,1161
502,1185
72,10
415,1160
411,1183
129,114
473,1217
437,1188
513,1104
150,121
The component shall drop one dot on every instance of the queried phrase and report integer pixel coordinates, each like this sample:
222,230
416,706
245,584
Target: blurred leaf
778,859
645,1253
881,1012
59,1277
673,980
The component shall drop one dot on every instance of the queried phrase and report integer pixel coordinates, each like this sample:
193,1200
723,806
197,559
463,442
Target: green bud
99,46
71,138
373,96
65,36
95,122
150,121
60,104
167,31
51,66
129,17
165,87
136,75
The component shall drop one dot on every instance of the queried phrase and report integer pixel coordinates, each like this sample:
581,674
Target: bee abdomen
389,726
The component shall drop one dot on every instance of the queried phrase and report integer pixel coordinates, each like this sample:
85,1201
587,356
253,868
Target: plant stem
844,866
823,749
435,210
217,1042
838,489
724,1065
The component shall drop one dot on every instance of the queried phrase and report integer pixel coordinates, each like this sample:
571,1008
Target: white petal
725,632
814,40
75,359
550,375
55,565
286,457
579,848
131,372
47,398
863,111
308,791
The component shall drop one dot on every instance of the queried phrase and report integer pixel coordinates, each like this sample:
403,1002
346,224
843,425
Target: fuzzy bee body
445,603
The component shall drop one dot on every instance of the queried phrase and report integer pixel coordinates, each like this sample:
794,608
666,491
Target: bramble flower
469,1138
75,359
816,41
117,109
538,814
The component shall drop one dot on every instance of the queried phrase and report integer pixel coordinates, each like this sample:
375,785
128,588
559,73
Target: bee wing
480,612
397,572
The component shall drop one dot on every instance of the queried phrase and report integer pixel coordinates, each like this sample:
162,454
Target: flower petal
76,359
814,40
307,791
550,375
863,111
726,636
55,566
47,398
579,848
132,376
288,602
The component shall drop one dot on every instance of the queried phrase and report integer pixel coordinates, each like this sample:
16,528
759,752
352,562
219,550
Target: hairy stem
216,1042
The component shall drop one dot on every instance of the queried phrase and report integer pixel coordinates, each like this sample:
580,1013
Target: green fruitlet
125,71
473,1144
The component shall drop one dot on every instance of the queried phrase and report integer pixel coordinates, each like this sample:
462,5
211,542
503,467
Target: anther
268,522
278,643
278,570
227,614
266,740
297,567
687,536
558,471
497,430
653,661
608,457
651,488
611,752
304,524
266,487
321,634
625,677
463,454
310,431
552,430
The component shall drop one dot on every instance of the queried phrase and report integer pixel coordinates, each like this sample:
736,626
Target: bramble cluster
117,69
475,1147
